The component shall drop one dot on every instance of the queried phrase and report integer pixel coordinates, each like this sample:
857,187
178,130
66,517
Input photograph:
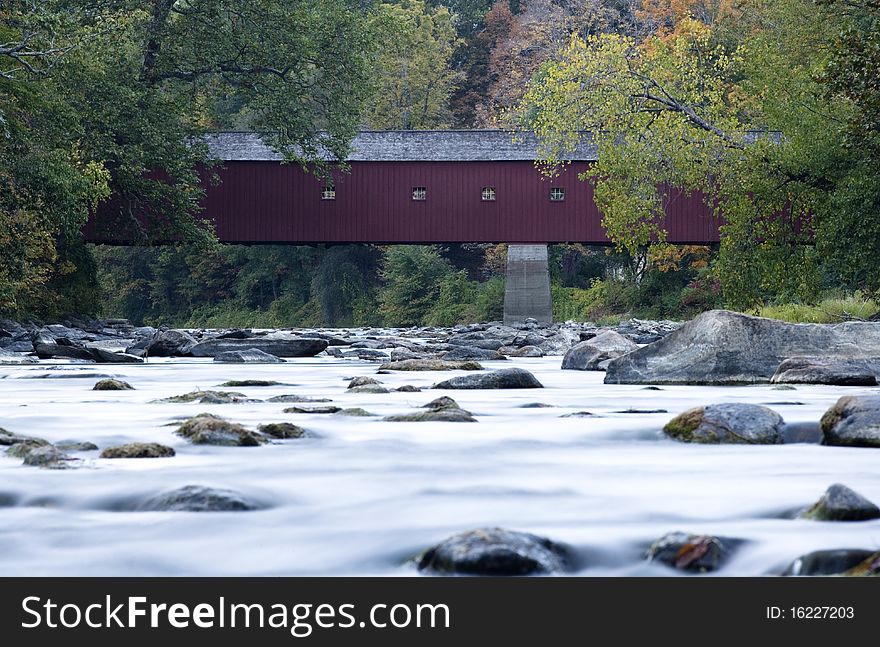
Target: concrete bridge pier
527,285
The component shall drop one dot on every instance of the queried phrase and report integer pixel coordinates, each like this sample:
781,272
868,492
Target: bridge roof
407,146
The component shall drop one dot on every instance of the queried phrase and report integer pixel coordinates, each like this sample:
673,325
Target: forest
770,108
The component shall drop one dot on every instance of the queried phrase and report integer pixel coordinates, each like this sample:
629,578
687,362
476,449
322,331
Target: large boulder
839,503
735,423
278,345
820,370
197,498
247,356
170,343
595,354
722,347
853,421
494,552
506,378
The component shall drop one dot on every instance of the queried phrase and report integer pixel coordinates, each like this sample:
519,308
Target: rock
536,405
104,356
282,430
443,409
819,370
524,351
484,344
76,446
138,450
736,423
369,388
52,350
7,357
329,409
367,355
355,412
240,383
169,343
469,352
408,388
722,347
207,429
506,378
694,553
247,356
279,345
362,380
783,387
839,503
47,456
236,334
430,365
631,410
853,421
842,561
197,498
401,354
210,397
291,398
646,332
594,354
7,439
580,414
112,385
443,402
558,344
495,552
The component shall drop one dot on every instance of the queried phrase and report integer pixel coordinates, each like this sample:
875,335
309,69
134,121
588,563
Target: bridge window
488,194
328,192
420,193
557,194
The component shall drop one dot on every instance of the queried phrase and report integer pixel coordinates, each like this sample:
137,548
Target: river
365,495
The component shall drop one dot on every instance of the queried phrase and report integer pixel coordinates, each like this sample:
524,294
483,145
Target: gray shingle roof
407,146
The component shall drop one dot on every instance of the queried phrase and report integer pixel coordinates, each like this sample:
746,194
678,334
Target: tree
412,276
413,78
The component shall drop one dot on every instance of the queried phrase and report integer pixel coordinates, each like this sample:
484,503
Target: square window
488,194
557,194
328,192
420,193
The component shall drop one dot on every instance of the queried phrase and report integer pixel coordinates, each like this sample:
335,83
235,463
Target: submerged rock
197,498
722,347
76,446
430,365
7,357
821,370
292,398
694,553
495,552
7,439
355,412
282,430
138,450
369,388
329,409
408,388
208,429
210,397
594,354
853,421
112,385
839,503
242,383
46,456
506,378
440,410
737,423
247,356
841,561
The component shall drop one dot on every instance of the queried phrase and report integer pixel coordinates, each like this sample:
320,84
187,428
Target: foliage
833,309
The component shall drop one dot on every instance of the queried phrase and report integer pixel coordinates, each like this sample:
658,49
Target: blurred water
368,494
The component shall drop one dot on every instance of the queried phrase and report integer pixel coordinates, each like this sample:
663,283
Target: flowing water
366,495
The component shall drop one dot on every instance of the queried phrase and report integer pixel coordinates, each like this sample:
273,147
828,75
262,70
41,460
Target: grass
829,310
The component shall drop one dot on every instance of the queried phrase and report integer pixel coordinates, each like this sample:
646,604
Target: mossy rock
112,385
733,423
369,388
208,429
209,397
355,412
430,365
442,409
362,380
839,503
48,457
25,447
138,450
293,398
282,430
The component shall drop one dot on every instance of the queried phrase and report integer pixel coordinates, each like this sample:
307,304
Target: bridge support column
527,285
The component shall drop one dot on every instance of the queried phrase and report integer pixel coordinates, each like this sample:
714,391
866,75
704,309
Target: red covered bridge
419,187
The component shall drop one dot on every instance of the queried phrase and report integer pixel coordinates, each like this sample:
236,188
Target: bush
833,309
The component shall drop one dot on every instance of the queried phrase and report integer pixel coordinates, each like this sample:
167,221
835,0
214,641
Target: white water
368,494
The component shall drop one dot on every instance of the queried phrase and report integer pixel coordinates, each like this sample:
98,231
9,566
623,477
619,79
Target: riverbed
363,495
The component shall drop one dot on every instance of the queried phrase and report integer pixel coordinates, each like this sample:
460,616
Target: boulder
839,503
76,446
247,356
408,388
440,410
111,384
495,552
279,345
104,356
594,354
646,332
207,429
524,351
210,397
282,430
820,370
506,378
7,439
853,421
735,423
169,343
355,412
722,347
47,456
327,409
558,344
430,365
693,553
197,498
362,380
841,561
138,450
